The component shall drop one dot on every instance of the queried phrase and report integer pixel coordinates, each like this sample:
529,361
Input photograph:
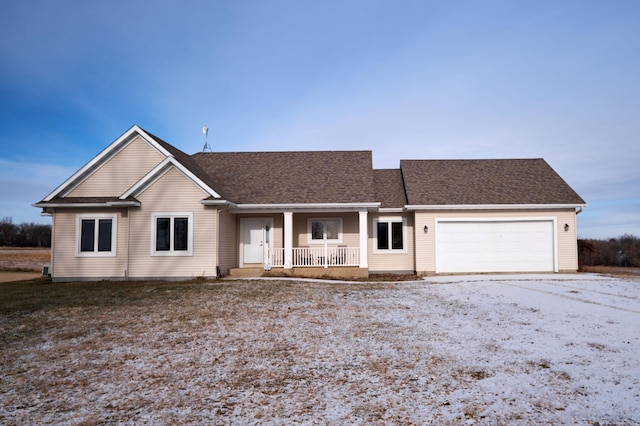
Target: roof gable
485,182
299,177
102,158
123,169
159,171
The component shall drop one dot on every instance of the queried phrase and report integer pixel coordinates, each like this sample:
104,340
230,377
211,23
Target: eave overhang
118,203
494,206
294,208
217,202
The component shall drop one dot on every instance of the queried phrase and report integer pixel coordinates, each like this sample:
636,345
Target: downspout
575,225
126,270
53,239
216,229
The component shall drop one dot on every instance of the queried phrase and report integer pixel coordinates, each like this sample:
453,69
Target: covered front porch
304,243
323,256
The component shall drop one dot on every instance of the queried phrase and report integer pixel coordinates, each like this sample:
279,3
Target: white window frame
96,218
389,220
324,240
171,251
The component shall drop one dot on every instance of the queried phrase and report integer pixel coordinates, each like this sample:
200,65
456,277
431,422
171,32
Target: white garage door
495,246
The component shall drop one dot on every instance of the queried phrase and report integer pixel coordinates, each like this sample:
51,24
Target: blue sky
405,79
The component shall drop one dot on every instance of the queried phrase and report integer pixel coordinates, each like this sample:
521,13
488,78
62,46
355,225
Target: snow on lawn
482,349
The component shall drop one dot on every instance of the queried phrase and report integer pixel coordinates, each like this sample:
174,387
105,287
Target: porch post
364,237
288,239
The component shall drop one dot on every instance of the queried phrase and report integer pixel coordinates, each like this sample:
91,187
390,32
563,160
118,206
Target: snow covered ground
518,349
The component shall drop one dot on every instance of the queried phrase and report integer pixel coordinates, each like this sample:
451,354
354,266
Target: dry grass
23,259
10,276
275,352
615,271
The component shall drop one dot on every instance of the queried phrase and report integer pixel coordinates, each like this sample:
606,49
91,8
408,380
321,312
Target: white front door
254,240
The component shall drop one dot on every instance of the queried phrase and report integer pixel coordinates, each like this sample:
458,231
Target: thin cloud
406,80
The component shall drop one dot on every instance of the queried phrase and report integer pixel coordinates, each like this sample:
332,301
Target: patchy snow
515,349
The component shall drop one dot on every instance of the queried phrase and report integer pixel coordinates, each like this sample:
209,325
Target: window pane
317,231
87,235
333,229
383,235
180,233
163,235
396,236
104,235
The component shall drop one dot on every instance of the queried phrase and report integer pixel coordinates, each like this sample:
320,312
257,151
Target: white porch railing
319,256
276,257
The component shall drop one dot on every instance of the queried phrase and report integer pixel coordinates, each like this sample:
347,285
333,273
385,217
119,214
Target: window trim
389,220
172,216
324,240
96,218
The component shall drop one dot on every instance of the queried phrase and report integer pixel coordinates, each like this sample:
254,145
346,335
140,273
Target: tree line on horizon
622,251
24,234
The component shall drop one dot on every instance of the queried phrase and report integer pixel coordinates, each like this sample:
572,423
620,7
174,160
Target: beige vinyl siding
172,193
227,241
425,242
278,231
350,228
120,173
390,262
567,241
66,265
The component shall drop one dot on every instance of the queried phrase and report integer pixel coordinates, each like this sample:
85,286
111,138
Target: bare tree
24,235
621,251
7,232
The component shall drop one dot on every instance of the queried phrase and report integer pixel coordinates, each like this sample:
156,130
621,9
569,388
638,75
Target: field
558,349
22,263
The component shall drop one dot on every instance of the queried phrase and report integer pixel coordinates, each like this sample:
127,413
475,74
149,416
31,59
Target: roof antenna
205,130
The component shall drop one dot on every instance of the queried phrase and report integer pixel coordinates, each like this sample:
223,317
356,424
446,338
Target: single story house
143,209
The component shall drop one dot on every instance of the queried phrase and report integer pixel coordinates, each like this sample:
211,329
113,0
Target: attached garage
496,245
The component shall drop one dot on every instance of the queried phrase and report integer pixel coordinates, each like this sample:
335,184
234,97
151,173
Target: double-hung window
326,230
96,235
390,235
172,234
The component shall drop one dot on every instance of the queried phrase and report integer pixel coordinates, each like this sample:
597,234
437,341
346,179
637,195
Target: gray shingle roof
337,177
389,188
462,182
306,177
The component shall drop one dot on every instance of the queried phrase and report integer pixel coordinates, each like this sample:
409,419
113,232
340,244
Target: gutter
217,202
124,203
493,206
278,208
87,205
306,207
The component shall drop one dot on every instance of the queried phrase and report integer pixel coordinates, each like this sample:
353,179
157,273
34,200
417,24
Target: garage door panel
500,246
